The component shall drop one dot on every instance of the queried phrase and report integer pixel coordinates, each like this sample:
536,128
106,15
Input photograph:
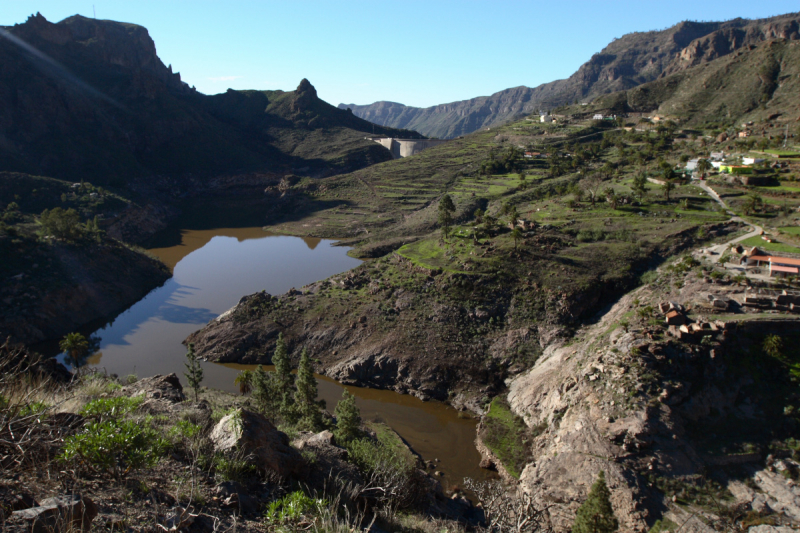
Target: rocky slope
668,421
90,99
633,59
759,83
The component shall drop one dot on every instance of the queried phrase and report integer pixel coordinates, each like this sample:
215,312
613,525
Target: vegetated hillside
59,269
754,83
439,318
90,99
633,59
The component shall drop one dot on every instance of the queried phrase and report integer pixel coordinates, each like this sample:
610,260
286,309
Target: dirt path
719,249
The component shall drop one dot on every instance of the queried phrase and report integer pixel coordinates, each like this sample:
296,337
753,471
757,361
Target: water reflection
212,270
171,254
432,429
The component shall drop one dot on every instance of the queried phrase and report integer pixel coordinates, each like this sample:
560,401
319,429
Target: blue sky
418,53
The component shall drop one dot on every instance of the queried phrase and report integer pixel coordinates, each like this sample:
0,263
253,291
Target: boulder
265,447
314,440
62,513
165,388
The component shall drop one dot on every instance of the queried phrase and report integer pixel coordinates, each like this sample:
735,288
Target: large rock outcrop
260,443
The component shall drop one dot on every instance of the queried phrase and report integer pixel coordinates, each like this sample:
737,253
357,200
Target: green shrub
369,456
60,223
292,508
115,446
111,408
233,468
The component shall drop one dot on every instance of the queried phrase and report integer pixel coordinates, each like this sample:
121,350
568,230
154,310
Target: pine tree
446,210
596,514
194,372
306,395
285,380
348,417
265,393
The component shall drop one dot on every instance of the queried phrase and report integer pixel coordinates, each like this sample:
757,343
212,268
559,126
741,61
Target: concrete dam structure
406,147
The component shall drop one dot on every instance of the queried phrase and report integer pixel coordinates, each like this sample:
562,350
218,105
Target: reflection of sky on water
211,274
208,280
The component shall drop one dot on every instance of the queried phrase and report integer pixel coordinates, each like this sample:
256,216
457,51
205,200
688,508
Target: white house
716,164
717,156
692,164
752,160
598,116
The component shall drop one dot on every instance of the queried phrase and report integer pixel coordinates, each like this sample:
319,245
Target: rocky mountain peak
306,95
306,87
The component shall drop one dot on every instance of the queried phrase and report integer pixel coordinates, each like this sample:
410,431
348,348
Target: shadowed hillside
88,98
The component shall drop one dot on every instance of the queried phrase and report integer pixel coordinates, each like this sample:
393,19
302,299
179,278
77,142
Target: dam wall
405,147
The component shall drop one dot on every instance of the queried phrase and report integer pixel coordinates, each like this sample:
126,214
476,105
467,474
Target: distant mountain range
90,99
628,62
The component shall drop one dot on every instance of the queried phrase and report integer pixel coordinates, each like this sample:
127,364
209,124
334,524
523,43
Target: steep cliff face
752,83
90,99
727,40
627,62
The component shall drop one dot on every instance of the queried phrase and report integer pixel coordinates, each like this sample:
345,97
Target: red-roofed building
778,266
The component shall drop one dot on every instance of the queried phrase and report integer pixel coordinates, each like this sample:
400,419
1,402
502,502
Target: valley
605,291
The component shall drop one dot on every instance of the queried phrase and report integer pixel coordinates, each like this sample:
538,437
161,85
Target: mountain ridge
90,99
632,60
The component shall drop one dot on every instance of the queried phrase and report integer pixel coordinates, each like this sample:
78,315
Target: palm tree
753,203
245,381
77,348
703,166
611,197
772,345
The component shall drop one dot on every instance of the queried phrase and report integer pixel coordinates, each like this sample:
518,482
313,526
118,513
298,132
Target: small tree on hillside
516,234
76,347
348,417
284,378
611,197
668,187
446,210
640,185
60,223
591,185
265,393
194,372
753,203
596,514
703,166
306,395
773,345
245,381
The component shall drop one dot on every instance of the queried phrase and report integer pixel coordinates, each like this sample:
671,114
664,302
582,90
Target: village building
778,266
736,169
717,156
752,160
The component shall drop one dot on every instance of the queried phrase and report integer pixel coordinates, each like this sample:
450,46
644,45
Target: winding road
719,249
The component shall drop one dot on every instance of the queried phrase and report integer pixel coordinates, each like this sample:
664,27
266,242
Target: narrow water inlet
212,270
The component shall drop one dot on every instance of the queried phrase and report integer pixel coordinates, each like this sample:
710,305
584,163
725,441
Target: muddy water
212,269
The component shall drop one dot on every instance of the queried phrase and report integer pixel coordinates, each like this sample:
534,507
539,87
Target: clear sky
418,53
